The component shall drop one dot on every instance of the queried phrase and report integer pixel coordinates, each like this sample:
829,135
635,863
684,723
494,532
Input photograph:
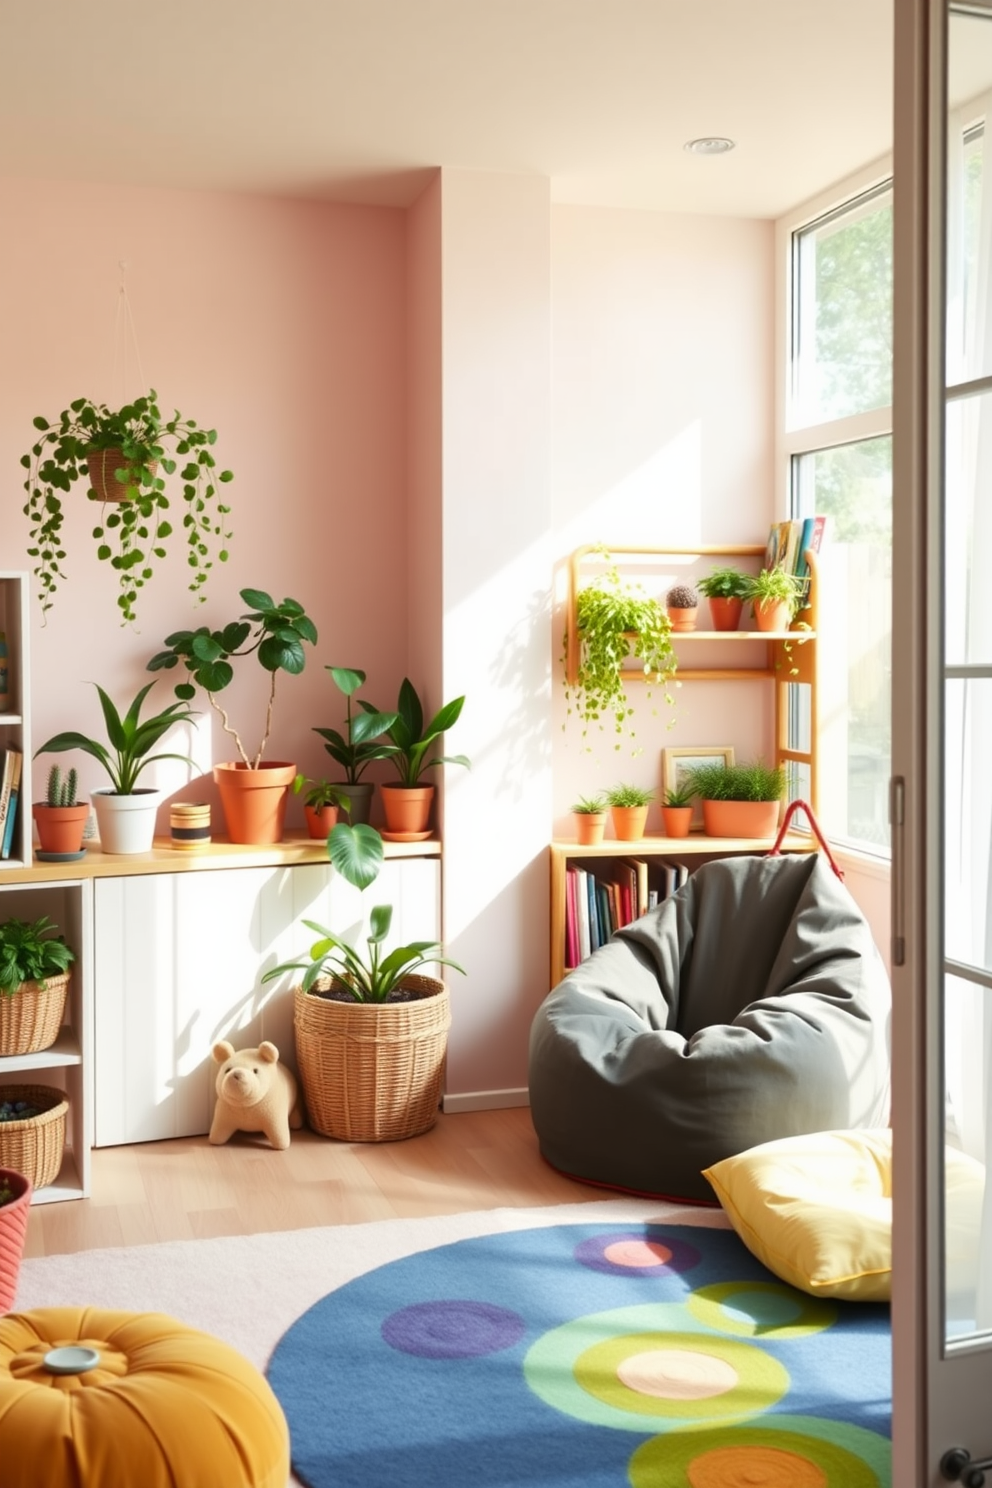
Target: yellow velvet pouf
145,1402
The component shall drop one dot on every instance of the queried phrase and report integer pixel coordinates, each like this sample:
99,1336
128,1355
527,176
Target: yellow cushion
817,1210
165,1405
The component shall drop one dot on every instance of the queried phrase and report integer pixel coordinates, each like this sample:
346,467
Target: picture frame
675,764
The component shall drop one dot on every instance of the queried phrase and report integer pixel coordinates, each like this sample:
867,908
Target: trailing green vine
617,622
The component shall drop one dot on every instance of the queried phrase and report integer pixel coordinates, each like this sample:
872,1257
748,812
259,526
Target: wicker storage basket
30,1019
372,1072
34,1146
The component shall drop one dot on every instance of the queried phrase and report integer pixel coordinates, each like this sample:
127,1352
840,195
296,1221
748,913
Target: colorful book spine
11,818
571,920
810,541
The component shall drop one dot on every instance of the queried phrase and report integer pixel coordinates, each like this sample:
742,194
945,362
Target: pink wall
663,433
282,324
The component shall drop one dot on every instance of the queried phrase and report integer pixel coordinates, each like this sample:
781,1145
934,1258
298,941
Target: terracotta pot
360,796
126,823
682,619
254,801
740,818
101,465
320,819
771,614
13,1229
629,822
590,827
407,807
677,819
725,614
60,828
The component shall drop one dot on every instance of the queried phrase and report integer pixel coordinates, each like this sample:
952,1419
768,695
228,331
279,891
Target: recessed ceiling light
712,145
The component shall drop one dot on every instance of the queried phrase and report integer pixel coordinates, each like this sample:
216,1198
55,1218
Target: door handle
956,1466
897,823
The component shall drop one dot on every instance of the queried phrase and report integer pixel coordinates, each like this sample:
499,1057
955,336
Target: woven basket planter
373,1072
34,1146
30,1020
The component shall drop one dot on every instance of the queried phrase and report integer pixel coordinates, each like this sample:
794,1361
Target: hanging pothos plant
617,623
118,454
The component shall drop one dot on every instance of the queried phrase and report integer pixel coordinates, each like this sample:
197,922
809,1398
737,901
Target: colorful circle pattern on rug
655,1357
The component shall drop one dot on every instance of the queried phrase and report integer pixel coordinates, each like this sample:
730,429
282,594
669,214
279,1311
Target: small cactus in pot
60,819
682,601
61,791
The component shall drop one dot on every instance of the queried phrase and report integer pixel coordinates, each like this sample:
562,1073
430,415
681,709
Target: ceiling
358,100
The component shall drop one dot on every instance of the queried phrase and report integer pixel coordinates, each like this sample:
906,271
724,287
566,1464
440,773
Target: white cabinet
178,964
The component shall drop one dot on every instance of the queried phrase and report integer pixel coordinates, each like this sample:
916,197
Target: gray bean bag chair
751,1005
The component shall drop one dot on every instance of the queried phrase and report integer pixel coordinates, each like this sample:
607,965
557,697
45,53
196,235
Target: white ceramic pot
126,823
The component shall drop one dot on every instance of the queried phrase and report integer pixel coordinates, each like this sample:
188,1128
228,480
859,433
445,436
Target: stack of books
600,900
10,790
789,542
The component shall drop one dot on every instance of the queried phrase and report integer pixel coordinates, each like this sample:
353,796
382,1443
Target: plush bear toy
255,1093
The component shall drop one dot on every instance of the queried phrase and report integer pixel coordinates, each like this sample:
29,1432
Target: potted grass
35,968
253,791
676,809
362,742
590,814
725,590
740,800
775,596
125,811
407,803
60,818
15,1205
629,811
371,1030
117,452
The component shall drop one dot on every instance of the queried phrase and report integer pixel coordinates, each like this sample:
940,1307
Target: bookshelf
15,713
781,660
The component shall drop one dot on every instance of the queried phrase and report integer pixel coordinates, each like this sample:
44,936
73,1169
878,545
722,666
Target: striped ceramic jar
189,823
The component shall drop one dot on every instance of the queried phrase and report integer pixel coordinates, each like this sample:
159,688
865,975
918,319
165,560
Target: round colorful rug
659,1356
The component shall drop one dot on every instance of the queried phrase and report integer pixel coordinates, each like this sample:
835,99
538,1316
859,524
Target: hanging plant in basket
118,453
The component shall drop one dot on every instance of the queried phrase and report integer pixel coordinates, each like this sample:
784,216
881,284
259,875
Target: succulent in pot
407,804
126,811
629,810
60,818
362,742
676,808
118,453
682,601
253,791
591,814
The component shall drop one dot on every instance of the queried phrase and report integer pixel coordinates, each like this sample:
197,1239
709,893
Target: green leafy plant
682,794
59,791
274,633
617,621
411,740
629,795
321,793
360,744
752,781
126,446
777,585
357,854
589,805
129,737
31,951
724,583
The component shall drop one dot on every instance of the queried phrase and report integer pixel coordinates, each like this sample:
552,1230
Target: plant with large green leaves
122,449
274,633
357,854
31,951
360,744
412,740
617,622
130,739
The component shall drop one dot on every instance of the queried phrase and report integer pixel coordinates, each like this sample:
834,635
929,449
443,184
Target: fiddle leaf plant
616,622
274,633
118,453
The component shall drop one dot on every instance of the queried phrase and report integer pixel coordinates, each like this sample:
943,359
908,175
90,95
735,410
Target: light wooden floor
186,1189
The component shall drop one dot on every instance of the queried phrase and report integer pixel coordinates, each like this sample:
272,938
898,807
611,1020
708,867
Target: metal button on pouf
99,1399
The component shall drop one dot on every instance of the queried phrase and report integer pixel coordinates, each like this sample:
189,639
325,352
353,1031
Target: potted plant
725,590
682,601
775,595
407,804
629,811
34,983
253,791
360,744
371,1031
617,622
676,809
590,813
321,804
739,800
15,1205
60,818
118,453
125,811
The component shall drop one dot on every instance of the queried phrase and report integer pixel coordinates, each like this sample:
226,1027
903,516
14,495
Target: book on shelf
9,787
13,800
780,550
810,541
582,911
572,956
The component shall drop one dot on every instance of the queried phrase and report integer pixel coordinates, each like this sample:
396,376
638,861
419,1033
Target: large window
837,440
